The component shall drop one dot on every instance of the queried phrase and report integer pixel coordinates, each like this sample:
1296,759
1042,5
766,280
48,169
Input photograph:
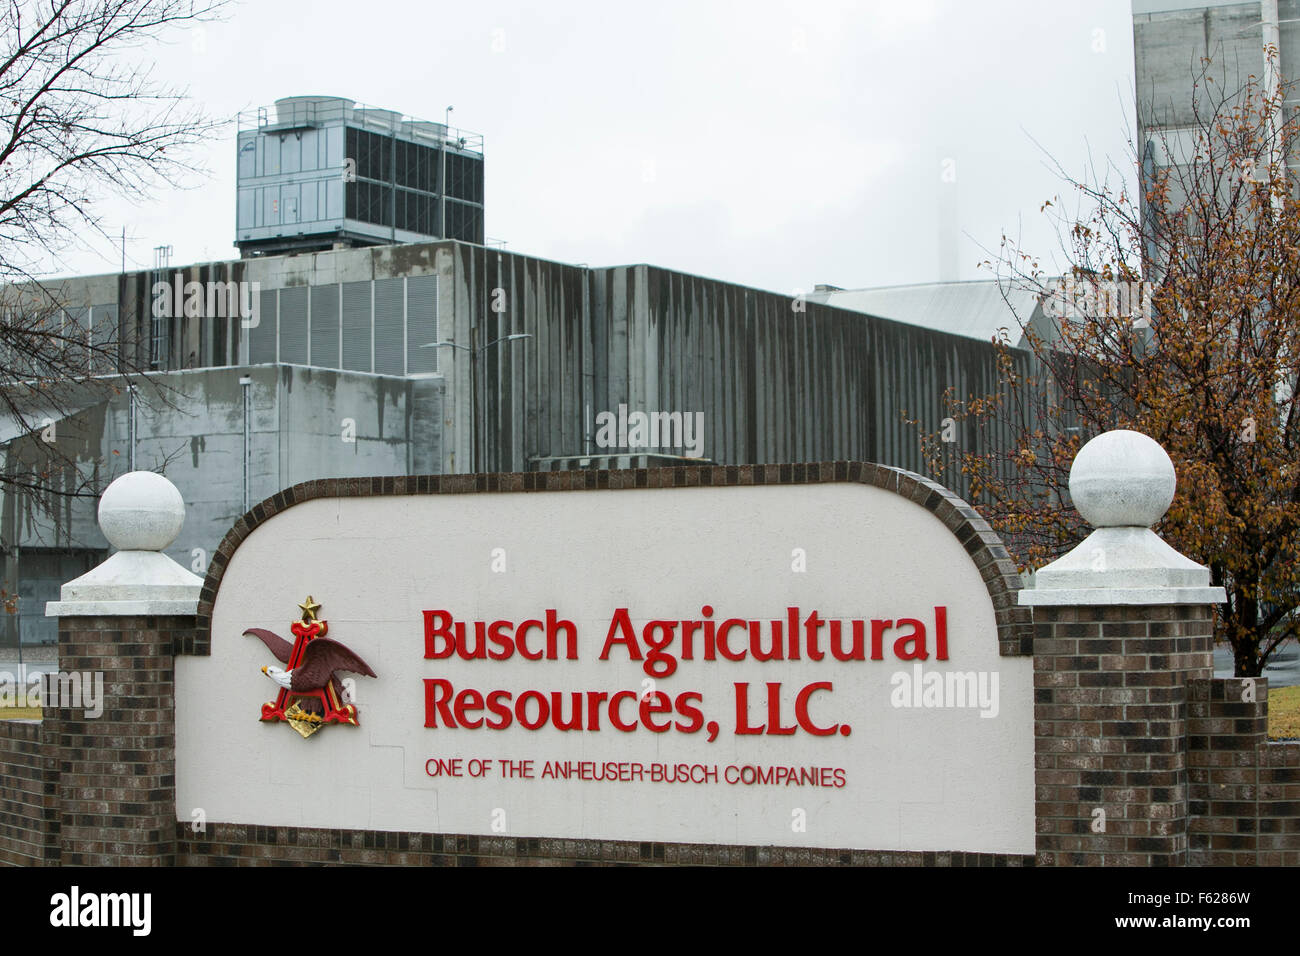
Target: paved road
1283,668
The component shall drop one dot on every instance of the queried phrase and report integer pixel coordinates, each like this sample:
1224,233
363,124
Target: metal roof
977,309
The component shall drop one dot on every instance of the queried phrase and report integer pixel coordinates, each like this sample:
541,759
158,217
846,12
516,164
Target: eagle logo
311,691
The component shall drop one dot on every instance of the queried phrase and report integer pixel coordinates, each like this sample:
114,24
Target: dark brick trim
29,819
226,844
1244,789
1014,623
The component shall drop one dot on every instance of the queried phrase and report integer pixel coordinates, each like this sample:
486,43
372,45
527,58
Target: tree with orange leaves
1177,314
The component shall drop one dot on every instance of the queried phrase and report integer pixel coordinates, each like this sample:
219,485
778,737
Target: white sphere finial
1122,479
141,511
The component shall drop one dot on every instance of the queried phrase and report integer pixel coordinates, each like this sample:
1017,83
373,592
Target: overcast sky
774,144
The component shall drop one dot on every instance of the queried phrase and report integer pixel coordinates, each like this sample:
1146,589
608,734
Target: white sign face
794,665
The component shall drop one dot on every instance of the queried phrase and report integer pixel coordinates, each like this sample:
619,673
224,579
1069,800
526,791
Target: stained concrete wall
1168,46
776,380
306,423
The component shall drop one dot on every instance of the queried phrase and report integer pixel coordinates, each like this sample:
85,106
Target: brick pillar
117,782
109,716
1110,731
1227,732
1122,624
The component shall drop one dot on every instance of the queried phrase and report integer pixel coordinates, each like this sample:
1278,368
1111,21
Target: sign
797,665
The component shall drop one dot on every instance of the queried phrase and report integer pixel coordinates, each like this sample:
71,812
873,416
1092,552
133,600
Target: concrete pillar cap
1122,482
1122,479
140,513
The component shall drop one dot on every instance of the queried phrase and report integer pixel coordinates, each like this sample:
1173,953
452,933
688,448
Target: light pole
474,353
245,383
130,427
442,188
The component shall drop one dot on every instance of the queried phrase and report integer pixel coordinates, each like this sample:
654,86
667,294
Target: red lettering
435,705
499,634
858,651
687,709
502,710
774,727
543,710
553,628
433,631
624,624
777,651
916,639
811,627
594,700
521,636
658,664
480,642
615,717
801,709
688,629
742,711
656,703
557,708
723,649
941,633
706,612
469,700
878,629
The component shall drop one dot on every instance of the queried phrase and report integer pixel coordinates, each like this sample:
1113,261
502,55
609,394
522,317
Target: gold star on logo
309,609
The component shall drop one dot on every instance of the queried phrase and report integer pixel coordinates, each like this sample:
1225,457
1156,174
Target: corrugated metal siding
774,385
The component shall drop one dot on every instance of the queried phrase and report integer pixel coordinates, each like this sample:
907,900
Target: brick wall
228,844
28,807
1127,720
1110,723
1244,793
117,782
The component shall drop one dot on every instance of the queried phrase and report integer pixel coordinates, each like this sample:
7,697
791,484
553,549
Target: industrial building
1172,37
324,353
1190,54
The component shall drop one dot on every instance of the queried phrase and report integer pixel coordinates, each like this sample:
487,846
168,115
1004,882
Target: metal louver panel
325,326
356,326
261,337
293,325
389,327
421,324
